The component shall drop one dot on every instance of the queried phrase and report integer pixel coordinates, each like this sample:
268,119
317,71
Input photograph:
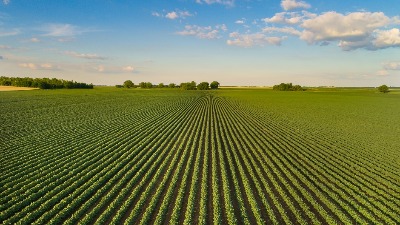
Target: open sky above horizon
236,42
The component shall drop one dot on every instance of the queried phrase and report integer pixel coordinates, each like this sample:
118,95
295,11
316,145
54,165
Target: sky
235,42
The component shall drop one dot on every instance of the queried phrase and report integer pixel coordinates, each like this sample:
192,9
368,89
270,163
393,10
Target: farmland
248,156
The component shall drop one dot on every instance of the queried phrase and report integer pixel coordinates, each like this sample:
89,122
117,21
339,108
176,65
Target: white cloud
12,32
203,32
335,26
84,56
222,27
294,4
286,30
392,66
128,69
239,22
223,2
46,66
352,31
108,69
60,30
351,45
171,15
34,40
156,14
33,66
382,73
387,38
250,40
6,2
66,39
28,65
63,30
184,14
289,17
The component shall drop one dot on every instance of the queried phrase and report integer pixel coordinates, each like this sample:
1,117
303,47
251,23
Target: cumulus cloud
386,38
294,4
240,22
6,2
335,26
255,39
173,14
222,2
84,56
207,32
352,31
289,17
285,30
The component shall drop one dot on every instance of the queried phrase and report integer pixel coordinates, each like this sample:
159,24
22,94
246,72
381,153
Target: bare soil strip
12,88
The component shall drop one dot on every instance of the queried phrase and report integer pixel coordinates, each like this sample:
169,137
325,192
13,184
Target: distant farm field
231,156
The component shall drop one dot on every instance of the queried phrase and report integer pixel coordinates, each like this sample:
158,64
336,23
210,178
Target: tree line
287,87
42,83
184,86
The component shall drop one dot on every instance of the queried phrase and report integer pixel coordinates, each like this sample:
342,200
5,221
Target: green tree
161,85
383,88
203,86
297,88
128,84
145,85
287,87
171,85
188,86
214,85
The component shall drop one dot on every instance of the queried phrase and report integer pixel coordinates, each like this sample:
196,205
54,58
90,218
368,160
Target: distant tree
149,85
129,84
119,86
171,85
287,87
188,86
203,86
192,85
383,88
145,85
297,88
43,83
161,85
214,85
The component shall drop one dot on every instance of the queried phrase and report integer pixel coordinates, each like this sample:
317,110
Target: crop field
245,156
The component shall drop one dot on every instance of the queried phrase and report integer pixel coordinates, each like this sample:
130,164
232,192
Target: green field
231,156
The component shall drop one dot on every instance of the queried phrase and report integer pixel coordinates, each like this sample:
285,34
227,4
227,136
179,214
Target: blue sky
236,42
